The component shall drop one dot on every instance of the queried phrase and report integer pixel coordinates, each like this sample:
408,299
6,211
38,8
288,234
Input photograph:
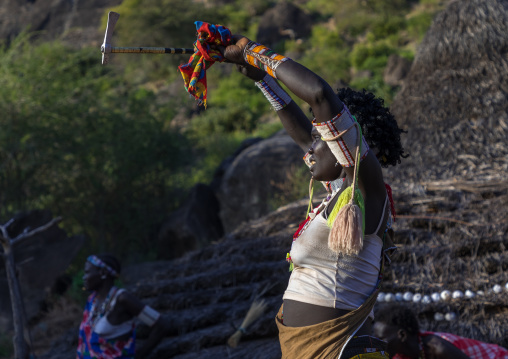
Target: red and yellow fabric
194,72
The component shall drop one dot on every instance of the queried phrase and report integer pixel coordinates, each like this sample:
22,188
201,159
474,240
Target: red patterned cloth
194,72
475,349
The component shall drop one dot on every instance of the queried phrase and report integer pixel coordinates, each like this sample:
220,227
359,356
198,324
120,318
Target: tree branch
26,235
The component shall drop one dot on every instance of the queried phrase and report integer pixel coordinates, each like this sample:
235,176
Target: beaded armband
275,94
341,136
263,58
148,315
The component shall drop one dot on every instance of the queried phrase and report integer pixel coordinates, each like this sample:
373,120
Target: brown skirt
323,340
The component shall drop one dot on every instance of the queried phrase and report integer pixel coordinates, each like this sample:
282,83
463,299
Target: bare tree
21,348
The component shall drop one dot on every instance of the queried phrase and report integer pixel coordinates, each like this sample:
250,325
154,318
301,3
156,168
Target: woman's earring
337,164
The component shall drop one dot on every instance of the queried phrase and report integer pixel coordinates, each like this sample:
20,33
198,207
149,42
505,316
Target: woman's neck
102,293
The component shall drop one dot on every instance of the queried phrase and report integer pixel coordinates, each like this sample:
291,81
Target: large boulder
40,261
453,102
193,226
254,177
282,22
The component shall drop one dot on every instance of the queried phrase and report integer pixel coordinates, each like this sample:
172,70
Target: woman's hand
234,53
251,72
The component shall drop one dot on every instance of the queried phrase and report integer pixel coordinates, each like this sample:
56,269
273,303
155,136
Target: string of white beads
443,296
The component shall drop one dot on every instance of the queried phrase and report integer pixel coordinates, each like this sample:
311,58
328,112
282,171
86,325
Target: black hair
379,127
111,261
400,317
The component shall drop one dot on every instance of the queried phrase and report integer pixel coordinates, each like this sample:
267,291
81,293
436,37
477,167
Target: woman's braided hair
379,127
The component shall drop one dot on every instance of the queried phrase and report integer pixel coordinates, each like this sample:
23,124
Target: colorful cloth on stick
194,72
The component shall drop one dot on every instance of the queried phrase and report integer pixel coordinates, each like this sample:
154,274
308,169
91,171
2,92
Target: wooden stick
151,50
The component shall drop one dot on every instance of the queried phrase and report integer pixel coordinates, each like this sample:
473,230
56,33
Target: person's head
323,162
398,326
379,128
100,270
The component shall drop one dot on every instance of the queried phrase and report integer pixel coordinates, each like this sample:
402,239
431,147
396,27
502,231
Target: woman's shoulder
121,295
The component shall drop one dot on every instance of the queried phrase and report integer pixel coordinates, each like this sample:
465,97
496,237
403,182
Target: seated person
108,328
398,326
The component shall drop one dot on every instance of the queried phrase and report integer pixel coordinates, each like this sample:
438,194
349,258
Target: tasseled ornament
347,219
347,223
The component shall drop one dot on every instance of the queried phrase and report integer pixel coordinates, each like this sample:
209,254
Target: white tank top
107,330
323,277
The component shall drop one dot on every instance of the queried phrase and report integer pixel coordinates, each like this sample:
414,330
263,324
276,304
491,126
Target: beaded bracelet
263,58
275,94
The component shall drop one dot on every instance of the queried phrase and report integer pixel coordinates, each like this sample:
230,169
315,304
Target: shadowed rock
282,22
195,225
253,178
76,22
396,70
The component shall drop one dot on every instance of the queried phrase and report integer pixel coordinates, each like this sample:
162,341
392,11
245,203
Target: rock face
283,21
193,226
251,180
40,260
454,102
396,70
73,21
241,191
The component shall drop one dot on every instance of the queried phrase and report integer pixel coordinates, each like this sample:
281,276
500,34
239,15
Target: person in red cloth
398,326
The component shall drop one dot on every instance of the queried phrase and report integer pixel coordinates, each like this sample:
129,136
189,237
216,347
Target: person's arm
157,332
301,81
439,348
291,115
157,323
325,105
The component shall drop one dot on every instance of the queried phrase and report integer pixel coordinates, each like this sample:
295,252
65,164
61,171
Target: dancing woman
337,252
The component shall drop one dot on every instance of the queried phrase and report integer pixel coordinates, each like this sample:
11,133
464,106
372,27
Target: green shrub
363,54
418,25
375,85
387,26
79,140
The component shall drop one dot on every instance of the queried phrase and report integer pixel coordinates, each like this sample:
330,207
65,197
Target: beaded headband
96,261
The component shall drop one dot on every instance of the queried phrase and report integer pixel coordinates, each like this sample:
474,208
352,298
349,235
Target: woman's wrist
263,58
275,94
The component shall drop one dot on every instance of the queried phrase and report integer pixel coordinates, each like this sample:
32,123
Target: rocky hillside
76,22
